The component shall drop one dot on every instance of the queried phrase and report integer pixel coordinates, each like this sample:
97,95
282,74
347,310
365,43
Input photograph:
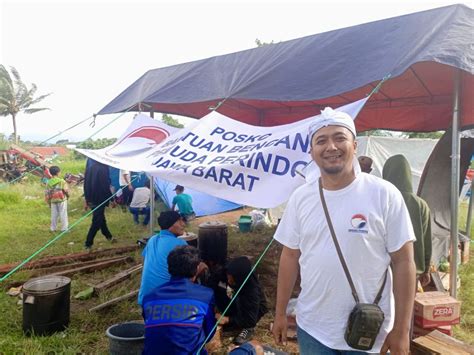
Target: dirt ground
253,245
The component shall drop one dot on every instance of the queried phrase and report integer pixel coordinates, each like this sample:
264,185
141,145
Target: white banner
249,165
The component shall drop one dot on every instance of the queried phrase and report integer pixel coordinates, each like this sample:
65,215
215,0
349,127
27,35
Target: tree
170,121
93,144
432,135
4,144
15,97
375,132
261,44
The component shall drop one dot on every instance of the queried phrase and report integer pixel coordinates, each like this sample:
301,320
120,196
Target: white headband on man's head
330,117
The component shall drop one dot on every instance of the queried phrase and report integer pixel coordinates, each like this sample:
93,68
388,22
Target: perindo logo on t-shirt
359,222
442,311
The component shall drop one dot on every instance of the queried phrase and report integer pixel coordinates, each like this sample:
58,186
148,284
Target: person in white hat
373,229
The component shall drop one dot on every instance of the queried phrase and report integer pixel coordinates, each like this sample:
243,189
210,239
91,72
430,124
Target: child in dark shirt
250,304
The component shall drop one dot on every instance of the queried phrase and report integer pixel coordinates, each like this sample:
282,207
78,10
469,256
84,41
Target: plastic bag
291,307
259,219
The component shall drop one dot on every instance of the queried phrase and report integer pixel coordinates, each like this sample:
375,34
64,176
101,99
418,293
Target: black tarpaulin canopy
285,82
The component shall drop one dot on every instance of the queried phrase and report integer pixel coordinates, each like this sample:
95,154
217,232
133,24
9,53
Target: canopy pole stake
455,157
152,204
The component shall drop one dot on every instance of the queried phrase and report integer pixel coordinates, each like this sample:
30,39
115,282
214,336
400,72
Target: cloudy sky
87,52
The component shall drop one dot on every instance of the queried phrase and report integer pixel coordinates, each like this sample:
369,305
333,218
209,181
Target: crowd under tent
428,57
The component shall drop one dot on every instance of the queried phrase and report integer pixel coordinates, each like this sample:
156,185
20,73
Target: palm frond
39,98
4,74
32,91
33,110
16,74
4,101
15,96
4,110
21,94
6,88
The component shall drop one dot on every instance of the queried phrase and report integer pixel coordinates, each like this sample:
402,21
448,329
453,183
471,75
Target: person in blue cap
155,267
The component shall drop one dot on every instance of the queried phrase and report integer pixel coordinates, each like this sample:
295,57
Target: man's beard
333,170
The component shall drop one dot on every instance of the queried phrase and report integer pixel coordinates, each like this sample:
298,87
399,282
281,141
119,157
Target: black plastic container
46,304
213,242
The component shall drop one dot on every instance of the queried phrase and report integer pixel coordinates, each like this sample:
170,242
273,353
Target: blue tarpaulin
203,204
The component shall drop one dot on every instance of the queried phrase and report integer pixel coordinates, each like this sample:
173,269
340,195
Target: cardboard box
436,309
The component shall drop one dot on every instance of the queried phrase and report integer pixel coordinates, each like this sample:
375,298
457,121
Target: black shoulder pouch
363,326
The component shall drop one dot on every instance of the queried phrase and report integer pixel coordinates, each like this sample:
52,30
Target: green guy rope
51,241
236,294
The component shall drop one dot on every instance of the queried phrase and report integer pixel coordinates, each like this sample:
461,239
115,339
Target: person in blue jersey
155,267
179,314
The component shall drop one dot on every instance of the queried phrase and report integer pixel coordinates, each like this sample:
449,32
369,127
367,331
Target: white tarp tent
416,150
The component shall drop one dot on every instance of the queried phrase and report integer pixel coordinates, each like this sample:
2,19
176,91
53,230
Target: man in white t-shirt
141,203
373,228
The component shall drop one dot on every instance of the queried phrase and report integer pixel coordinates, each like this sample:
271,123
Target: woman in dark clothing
250,304
96,191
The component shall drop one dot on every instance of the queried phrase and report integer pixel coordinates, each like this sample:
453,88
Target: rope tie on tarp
92,124
60,235
108,124
219,104
377,88
235,295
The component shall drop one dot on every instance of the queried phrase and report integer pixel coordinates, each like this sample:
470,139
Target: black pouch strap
339,252
379,294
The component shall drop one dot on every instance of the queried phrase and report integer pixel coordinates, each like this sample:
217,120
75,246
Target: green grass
465,331
70,165
25,229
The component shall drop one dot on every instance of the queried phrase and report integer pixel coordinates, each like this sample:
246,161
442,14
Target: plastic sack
291,307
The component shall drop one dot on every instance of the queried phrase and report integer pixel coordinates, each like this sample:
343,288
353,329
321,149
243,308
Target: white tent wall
416,150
